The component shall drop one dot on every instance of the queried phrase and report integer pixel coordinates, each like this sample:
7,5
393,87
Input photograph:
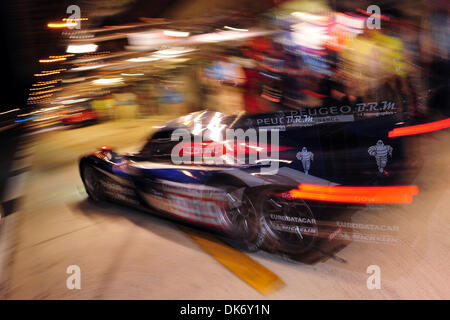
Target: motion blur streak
420,128
391,194
62,25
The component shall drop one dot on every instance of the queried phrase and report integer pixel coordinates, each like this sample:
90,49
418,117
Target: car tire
91,182
289,225
247,233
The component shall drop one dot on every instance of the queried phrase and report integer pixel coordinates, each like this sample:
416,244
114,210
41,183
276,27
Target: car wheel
92,183
290,225
247,232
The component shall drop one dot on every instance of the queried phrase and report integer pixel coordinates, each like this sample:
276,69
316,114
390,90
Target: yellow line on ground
249,270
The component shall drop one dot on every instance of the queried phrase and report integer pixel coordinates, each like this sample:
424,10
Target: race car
79,116
259,202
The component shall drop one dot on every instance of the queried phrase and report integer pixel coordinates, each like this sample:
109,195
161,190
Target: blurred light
43,83
73,101
310,17
310,35
50,108
68,97
89,67
420,128
350,21
74,80
42,88
52,60
42,92
62,56
75,19
82,48
176,34
12,110
273,160
388,194
51,71
228,35
187,173
61,24
143,59
131,74
235,29
26,119
45,74
174,52
108,81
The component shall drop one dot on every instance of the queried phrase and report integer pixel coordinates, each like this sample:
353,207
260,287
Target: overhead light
174,52
88,67
176,34
73,80
82,48
51,60
143,59
12,110
61,25
310,17
108,81
72,101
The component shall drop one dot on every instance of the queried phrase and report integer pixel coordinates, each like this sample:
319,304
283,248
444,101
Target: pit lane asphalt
127,254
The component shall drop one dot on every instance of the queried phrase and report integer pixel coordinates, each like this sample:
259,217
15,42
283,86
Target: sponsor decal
381,152
204,211
294,229
334,234
294,224
363,226
312,116
119,193
292,219
306,157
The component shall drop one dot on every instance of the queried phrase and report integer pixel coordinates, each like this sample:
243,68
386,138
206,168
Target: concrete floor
127,254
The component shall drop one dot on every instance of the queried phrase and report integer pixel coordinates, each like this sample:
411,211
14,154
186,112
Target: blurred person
410,35
252,101
334,90
399,43
374,66
291,82
271,64
359,64
439,52
224,79
104,107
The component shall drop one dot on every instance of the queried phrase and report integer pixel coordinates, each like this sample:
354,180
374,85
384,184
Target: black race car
284,195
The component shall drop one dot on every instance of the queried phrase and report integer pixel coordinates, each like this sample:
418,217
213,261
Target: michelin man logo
305,157
380,151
